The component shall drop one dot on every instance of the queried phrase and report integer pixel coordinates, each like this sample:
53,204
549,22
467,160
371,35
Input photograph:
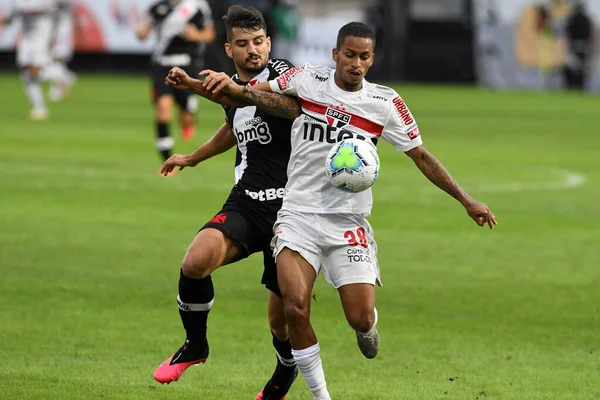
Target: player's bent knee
280,332
196,269
199,263
362,321
296,310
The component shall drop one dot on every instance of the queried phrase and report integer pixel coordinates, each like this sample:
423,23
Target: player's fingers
220,87
208,82
491,220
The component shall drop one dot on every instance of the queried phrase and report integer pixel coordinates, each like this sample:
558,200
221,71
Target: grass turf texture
91,240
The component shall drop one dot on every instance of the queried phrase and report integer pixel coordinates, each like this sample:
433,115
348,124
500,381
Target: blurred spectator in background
57,72
33,50
183,28
580,39
285,20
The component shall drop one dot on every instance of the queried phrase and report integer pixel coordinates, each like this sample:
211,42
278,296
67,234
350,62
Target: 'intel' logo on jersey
257,130
319,132
337,118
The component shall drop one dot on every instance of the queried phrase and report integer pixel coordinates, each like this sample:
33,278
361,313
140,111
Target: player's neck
339,83
246,76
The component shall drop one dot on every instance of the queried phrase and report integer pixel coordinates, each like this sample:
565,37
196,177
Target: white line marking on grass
570,180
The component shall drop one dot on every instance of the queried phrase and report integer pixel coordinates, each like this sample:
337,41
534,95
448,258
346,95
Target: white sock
34,91
309,363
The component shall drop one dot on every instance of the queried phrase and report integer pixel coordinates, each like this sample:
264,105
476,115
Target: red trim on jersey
313,106
355,120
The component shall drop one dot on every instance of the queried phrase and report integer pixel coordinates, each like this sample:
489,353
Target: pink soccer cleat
173,367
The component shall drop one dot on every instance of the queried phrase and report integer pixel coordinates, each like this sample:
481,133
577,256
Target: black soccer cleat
280,383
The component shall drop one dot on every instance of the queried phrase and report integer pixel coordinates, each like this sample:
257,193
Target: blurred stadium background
91,237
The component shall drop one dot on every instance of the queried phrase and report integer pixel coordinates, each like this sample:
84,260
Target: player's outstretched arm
221,141
179,79
259,95
433,169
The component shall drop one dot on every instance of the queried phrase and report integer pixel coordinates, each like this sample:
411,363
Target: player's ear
228,50
269,43
335,54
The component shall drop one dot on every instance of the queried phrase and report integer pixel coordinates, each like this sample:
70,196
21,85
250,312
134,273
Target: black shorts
185,100
250,223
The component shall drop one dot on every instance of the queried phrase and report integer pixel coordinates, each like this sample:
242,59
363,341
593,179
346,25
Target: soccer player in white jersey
319,225
33,51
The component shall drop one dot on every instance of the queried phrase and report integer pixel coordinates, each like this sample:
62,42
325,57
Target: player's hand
176,160
216,82
481,214
178,79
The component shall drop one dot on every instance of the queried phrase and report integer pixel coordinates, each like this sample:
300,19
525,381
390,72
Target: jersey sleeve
401,129
289,81
203,16
152,12
229,113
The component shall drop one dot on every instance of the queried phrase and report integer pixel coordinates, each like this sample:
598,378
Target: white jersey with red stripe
331,115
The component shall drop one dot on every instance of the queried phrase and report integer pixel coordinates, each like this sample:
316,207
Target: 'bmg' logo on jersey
256,129
337,118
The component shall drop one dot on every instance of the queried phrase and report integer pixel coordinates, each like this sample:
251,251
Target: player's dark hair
356,29
244,17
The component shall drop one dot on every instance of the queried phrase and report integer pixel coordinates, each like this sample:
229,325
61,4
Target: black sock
164,142
195,300
284,349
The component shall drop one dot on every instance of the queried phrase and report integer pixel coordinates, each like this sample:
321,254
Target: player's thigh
296,277
209,250
234,228
162,95
358,302
186,101
349,250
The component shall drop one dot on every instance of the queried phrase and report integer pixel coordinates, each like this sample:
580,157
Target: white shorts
340,245
34,47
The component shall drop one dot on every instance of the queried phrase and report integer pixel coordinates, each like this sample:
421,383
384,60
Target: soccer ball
352,165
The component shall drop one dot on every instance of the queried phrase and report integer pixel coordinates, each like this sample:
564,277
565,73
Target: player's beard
253,68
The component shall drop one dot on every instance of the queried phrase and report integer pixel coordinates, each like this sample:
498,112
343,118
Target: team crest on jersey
337,118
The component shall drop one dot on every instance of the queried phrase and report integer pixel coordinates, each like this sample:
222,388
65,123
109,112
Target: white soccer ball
352,165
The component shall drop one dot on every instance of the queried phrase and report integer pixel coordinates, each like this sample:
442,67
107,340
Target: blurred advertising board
523,43
98,26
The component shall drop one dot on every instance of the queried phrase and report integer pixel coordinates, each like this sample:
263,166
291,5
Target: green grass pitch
91,239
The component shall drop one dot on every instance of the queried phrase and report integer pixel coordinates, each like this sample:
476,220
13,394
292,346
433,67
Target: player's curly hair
244,17
357,29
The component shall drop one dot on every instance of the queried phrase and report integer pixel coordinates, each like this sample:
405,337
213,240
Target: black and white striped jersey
170,19
263,144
